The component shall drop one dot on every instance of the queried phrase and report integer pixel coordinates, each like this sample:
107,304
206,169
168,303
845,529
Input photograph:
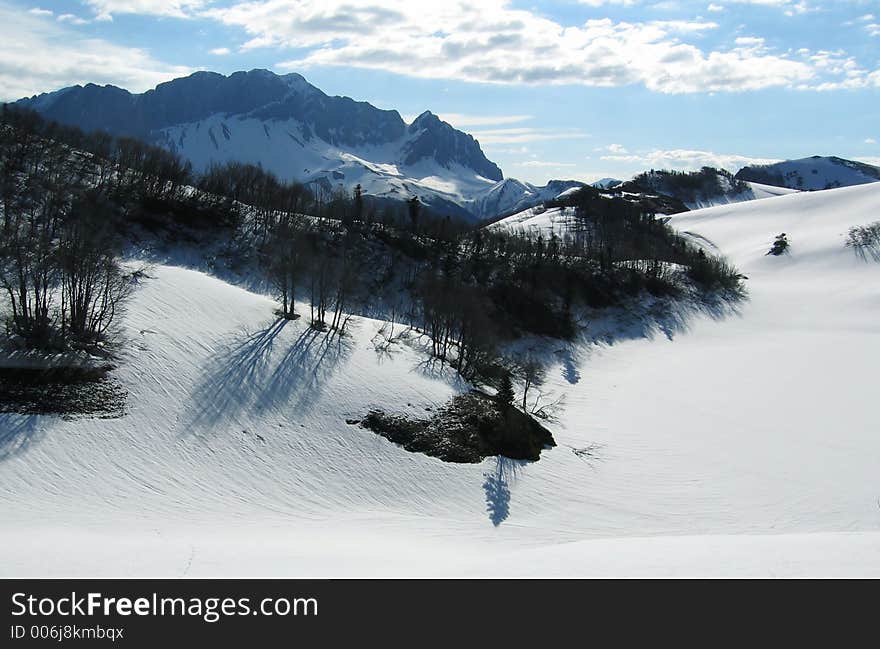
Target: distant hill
560,215
810,174
698,189
606,183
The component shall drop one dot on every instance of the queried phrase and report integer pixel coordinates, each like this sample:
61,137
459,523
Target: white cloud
36,56
37,11
599,3
221,51
685,159
750,41
715,8
624,158
790,7
521,135
841,72
666,5
543,163
73,19
617,149
870,140
105,9
489,41
461,120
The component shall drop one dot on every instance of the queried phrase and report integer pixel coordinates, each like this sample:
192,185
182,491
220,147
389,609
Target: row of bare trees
319,256
468,290
59,268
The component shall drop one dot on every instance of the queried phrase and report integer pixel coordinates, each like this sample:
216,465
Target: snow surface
733,440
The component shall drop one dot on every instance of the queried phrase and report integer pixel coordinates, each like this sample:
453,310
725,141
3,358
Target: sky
580,89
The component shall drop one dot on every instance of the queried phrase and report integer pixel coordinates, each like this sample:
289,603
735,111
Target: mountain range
290,127
295,130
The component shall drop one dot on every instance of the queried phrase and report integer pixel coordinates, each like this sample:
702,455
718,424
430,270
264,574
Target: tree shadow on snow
253,375
669,317
497,488
17,434
228,380
441,370
646,319
298,378
570,365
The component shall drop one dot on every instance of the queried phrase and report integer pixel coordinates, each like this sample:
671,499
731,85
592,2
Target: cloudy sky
557,89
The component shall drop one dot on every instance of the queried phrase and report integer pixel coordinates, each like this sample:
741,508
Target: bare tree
532,374
283,260
93,284
58,255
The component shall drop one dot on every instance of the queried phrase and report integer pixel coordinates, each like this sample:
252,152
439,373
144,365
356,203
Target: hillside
730,441
560,219
539,220
698,189
559,215
296,131
811,174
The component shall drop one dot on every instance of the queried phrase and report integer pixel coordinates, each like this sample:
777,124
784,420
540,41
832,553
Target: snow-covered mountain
810,174
298,132
510,195
606,183
717,443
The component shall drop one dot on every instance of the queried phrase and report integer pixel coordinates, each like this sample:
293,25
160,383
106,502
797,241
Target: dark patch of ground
468,429
69,393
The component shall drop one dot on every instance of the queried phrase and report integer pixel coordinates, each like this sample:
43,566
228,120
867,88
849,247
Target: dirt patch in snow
468,429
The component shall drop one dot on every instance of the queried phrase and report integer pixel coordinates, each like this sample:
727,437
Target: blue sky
559,89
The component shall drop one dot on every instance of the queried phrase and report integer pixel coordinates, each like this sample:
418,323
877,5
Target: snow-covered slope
814,173
539,220
735,440
768,191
